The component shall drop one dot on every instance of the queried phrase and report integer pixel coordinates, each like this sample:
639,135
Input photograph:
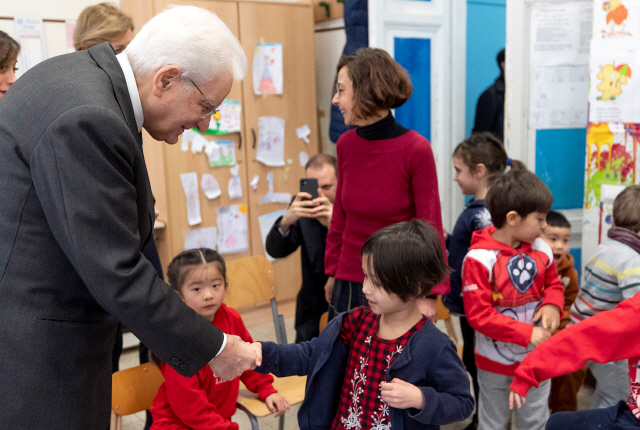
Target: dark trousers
469,358
346,295
618,417
564,391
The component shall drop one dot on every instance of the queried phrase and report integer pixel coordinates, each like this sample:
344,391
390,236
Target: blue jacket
429,361
475,216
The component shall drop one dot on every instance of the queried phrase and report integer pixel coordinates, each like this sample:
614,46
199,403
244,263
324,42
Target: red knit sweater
380,182
206,401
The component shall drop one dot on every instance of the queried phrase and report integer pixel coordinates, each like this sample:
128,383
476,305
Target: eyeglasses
208,107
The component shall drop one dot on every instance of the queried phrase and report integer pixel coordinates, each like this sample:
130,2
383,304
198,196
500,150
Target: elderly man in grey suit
76,211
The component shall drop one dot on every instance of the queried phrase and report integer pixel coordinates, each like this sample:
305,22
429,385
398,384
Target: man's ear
165,79
512,218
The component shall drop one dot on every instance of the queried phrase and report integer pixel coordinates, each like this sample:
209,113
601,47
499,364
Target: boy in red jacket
608,336
512,295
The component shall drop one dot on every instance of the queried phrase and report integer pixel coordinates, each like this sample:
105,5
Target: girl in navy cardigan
384,365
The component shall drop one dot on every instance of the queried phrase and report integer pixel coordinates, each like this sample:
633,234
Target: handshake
236,357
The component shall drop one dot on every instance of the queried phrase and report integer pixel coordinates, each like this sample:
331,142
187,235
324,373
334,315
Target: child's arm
608,336
444,399
277,404
286,360
550,310
478,306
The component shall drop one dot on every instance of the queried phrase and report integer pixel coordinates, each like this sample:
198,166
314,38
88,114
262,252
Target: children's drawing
270,141
227,119
190,187
616,15
612,87
267,68
222,153
612,78
272,197
210,186
232,229
235,188
201,238
266,223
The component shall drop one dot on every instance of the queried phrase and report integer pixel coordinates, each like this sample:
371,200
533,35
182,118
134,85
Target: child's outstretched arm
607,336
286,360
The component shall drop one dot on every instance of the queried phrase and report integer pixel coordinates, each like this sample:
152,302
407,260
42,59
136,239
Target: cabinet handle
239,141
253,132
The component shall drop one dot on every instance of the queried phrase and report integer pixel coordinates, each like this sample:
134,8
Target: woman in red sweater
386,172
206,401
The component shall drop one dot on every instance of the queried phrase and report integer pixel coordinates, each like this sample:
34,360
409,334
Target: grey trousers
612,383
493,408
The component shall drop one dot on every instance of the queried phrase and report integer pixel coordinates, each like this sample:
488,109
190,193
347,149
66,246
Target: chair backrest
251,280
134,389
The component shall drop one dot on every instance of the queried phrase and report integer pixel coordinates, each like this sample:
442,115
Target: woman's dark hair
517,190
379,82
484,148
9,49
408,259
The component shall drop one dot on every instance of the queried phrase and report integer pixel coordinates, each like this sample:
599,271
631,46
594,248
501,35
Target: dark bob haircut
379,82
517,190
408,259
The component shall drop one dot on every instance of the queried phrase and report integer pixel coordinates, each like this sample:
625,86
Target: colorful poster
190,187
267,68
266,222
227,120
221,153
270,141
616,20
201,238
232,229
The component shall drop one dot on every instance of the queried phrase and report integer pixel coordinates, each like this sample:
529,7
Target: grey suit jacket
75,212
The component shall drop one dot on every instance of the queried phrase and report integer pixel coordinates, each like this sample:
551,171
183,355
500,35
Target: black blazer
76,212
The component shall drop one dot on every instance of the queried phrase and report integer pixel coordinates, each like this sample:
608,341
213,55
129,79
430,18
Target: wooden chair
443,314
133,391
252,281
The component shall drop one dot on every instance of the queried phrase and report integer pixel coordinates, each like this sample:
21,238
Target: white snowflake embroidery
353,421
482,219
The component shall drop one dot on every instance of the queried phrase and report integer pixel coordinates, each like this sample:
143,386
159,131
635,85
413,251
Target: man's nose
203,124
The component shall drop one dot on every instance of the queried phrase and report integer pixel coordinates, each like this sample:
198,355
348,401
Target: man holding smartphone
305,225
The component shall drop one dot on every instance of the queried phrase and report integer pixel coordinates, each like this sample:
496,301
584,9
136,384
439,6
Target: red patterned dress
360,404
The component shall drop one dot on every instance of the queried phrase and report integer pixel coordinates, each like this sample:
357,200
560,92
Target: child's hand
539,335
550,315
517,399
402,395
276,403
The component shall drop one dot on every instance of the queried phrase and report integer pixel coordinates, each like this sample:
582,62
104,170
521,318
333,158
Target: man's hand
539,335
299,208
402,395
323,211
277,403
328,288
236,357
550,315
516,399
429,308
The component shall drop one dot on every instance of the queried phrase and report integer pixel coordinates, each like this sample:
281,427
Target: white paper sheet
190,187
616,22
30,36
266,222
303,158
272,197
222,153
201,238
227,120
187,138
270,141
199,143
70,25
254,182
267,68
303,133
235,188
232,229
210,186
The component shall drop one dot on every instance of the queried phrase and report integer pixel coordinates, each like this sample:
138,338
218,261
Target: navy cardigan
428,361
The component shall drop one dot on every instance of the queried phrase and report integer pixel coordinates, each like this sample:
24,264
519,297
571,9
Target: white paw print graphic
523,271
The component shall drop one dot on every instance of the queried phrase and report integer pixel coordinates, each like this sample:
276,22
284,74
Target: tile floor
259,323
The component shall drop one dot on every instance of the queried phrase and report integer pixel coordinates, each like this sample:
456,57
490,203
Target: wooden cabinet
290,24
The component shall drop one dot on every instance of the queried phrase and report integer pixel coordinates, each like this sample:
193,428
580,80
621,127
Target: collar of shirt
132,87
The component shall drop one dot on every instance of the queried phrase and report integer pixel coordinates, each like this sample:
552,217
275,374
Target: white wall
55,34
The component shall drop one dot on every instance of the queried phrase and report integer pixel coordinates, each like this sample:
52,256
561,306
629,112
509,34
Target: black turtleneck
386,128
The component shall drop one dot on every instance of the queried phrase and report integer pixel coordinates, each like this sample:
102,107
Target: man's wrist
224,343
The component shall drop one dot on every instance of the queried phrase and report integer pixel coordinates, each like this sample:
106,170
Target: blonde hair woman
103,22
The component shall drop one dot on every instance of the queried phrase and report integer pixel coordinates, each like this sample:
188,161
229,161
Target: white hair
189,37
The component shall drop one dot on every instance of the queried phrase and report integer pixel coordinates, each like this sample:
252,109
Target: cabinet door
177,161
292,26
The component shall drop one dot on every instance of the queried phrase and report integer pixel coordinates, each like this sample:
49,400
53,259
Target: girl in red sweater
206,401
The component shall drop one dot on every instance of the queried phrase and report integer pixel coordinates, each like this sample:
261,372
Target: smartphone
309,185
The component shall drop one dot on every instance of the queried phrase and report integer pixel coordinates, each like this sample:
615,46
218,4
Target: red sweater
206,401
502,288
608,336
380,182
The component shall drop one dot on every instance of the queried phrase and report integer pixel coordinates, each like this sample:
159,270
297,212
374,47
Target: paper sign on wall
223,153
210,186
270,141
271,196
232,229
30,36
267,68
266,223
190,187
227,120
235,188
201,238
